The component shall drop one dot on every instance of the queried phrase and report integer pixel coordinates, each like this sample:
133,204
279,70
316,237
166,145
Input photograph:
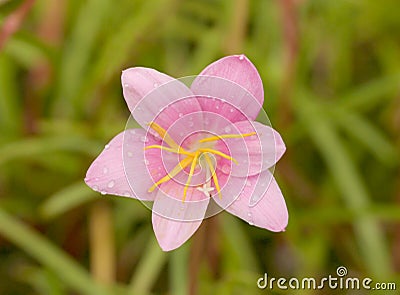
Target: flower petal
174,221
121,168
236,84
270,212
254,153
156,97
171,234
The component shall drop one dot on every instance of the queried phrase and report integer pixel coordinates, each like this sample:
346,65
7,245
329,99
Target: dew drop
105,170
217,107
241,57
126,85
107,146
231,110
155,84
227,129
130,155
250,218
95,188
180,115
127,194
103,193
226,169
111,184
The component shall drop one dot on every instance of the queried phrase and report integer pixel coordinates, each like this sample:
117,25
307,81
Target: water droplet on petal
95,188
130,154
180,115
111,184
127,194
251,222
107,146
155,84
241,57
105,170
227,129
126,85
231,110
103,193
226,169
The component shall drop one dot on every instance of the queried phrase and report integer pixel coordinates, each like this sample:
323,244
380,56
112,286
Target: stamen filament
180,150
164,135
178,168
219,137
213,174
219,154
194,163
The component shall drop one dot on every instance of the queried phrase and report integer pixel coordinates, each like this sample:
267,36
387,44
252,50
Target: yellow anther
219,137
213,174
178,168
179,151
164,135
212,151
191,157
194,163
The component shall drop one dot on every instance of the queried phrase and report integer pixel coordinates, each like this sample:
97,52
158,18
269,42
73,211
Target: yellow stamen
213,174
178,168
191,157
163,134
219,137
180,150
194,163
212,151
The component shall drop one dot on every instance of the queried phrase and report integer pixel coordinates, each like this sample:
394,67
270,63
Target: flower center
191,158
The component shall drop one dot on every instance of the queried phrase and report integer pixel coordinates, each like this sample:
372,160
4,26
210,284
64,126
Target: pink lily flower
200,150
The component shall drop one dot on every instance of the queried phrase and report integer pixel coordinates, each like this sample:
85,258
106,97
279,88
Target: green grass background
331,73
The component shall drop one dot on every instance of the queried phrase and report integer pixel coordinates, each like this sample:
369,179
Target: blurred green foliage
331,72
